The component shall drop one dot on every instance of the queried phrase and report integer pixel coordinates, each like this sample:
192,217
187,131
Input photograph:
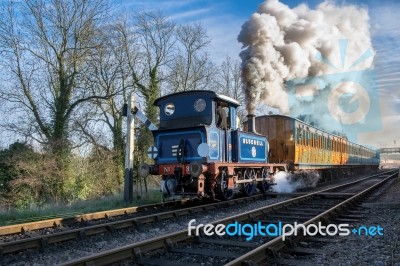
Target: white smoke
287,182
281,44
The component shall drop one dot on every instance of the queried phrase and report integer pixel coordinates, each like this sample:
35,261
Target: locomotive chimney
251,123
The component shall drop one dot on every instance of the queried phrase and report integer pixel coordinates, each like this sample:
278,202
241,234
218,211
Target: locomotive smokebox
251,123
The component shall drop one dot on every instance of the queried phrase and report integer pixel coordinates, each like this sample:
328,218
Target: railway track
83,229
41,234
68,219
180,248
62,221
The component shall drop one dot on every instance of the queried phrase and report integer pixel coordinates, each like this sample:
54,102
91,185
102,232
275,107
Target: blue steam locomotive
202,152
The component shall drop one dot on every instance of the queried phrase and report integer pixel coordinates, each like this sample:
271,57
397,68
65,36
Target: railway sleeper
307,251
170,244
281,261
157,262
137,253
205,252
345,220
322,240
290,216
82,234
351,216
226,242
111,228
43,244
304,212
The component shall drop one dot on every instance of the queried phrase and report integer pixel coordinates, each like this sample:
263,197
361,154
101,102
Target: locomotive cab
189,119
196,108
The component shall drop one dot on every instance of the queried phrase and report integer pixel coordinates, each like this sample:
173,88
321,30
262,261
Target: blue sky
223,20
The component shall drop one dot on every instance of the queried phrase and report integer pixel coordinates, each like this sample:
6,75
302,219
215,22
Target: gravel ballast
354,249
66,251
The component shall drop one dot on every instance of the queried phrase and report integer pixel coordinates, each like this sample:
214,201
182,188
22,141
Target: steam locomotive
200,151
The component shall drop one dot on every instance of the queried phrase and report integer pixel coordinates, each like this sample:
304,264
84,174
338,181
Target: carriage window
313,140
307,138
299,138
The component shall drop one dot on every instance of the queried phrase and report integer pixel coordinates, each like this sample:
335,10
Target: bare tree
147,44
110,75
229,82
229,79
155,33
192,68
45,47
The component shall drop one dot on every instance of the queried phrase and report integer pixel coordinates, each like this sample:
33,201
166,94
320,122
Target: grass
88,206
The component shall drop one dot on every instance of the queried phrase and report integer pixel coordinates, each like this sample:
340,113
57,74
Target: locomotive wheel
264,185
249,174
223,191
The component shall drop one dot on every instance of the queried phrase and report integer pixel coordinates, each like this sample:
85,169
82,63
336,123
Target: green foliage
79,207
8,170
30,178
24,198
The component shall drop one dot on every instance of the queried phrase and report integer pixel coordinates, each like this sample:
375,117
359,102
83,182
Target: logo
358,94
279,229
343,101
253,152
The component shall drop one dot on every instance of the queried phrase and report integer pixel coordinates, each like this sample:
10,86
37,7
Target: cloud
384,137
190,14
389,74
386,80
385,24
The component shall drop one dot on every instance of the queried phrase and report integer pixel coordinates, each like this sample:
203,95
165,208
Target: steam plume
281,44
287,182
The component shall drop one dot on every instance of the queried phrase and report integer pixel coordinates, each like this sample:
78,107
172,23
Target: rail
136,251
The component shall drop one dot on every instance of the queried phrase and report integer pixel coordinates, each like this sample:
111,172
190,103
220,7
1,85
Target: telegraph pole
129,149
